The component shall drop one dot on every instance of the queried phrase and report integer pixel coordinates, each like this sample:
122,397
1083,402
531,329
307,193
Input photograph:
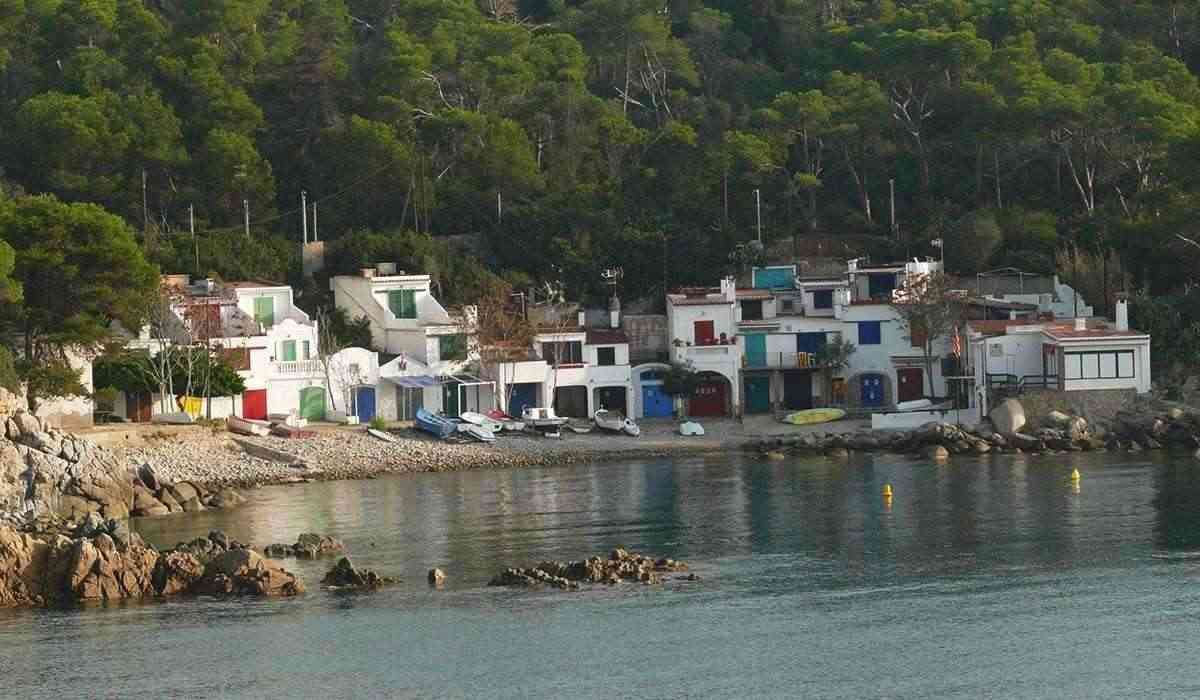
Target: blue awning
415,382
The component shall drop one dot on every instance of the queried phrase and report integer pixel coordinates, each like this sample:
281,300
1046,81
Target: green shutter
264,311
312,403
403,303
288,353
451,347
307,347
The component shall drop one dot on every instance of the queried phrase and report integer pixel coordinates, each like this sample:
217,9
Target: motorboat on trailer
543,420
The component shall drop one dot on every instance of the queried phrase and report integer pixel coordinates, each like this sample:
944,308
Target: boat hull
813,416
433,424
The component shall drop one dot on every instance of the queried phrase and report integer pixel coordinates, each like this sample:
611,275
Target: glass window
1125,365
870,333
564,353
606,357
306,350
1073,365
452,347
1091,366
752,310
264,311
823,299
1108,365
403,302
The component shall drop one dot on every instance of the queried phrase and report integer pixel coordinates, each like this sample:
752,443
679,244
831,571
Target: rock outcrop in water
345,575
106,565
620,566
309,545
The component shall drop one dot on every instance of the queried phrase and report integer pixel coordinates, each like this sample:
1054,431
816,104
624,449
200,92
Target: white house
1071,355
703,328
576,369
353,381
262,334
427,353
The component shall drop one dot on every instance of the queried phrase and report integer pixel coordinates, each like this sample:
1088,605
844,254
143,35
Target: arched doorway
712,397
649,399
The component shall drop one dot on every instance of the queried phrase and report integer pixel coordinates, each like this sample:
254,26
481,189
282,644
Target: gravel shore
215,459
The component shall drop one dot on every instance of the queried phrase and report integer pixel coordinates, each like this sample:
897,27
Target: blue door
655,402
872,390
810,342
364,403
523,396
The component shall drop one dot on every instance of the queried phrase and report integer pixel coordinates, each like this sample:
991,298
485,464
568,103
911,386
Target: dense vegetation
555,138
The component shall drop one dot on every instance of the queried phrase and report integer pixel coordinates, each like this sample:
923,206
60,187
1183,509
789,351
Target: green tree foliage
80,269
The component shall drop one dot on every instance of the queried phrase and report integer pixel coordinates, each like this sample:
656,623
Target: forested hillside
572,135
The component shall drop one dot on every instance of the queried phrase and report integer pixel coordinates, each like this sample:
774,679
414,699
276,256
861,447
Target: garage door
709,400
571,401
364,403
656,403
523,396
254,404
312,403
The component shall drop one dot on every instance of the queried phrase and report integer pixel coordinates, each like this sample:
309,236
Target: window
287,351
606,357
264,311
565,353
1115,364
881,286
787,306
823,299
305,350
706,333
452,347
870,332
917,334
752,310
403,302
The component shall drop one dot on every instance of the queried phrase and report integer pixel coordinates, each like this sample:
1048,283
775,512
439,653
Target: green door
450,399
287,351
756,350
403,303
758,394
312,403
264,311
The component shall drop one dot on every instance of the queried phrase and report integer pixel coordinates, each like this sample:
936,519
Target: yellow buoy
1074,475
887,490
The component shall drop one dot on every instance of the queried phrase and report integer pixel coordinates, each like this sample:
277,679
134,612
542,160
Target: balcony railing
298,368
780,360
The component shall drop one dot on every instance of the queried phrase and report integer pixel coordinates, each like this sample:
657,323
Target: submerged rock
345,575
437,577
309,545
620,566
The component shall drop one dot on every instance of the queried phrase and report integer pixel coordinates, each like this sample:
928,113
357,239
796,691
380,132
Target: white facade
704,328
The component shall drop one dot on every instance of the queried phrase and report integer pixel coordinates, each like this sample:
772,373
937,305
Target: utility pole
892,200
304,214
499,207
758,210
145,208
195,242
246,215
315,236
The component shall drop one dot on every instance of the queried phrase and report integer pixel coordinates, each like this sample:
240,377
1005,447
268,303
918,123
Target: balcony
780,360
609,374
298,369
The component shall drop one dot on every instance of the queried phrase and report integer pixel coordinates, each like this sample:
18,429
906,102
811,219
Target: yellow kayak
814,415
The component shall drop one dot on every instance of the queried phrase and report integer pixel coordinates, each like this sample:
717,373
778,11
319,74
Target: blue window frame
870,333
823,299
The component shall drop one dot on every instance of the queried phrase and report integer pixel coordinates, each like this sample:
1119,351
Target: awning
417,382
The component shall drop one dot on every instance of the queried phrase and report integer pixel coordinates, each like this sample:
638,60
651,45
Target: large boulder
310,545
100,570
1008,417
21,567
176,572
245,572
26,423
345,575
145,504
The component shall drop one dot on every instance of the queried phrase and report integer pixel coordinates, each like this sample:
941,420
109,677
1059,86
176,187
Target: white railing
298,368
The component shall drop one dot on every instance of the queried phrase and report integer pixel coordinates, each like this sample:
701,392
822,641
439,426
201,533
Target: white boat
246,426
510,424
690,427
542,418
578,428
478,432
615,422
482,421
381,435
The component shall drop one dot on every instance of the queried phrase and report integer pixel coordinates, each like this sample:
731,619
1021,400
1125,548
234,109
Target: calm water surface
983,579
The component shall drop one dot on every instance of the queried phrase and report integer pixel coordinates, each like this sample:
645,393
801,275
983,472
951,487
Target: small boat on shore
176,418
381,435
287,431
478,432
579,428
543,419
482,421
246,426
616,422
814,415
508,422
691,427
436,425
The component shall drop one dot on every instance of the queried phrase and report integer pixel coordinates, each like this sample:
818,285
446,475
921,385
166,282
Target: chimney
582,318
614,312
1122,311
368,272
729,289
386,269
1080,323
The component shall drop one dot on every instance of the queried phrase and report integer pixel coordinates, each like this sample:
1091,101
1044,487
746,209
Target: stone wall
1092,405
647,337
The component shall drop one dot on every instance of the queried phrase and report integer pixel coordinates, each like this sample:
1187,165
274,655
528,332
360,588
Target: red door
254,404
912,384
706,334
709,400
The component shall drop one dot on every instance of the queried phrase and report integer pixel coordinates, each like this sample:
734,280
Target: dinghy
381,435
435,425
614,422
508,422
814,415
482,421
245,426
690,427
477,432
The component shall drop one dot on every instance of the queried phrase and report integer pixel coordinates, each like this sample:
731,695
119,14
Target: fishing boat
543,420
436,425
482,421
579,428
616,422
381,435
288,431
246,426
814,415
690,427
508,422
477,432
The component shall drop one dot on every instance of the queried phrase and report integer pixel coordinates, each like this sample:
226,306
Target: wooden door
254,404
706,333
872,390
709,400
911,384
